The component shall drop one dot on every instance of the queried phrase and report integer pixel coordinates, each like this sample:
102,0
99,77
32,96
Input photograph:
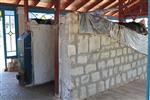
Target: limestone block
110,62
94,43
83,92
120,68
72,20
125,51
112,53
117,61
94,57
105,40
139,70
90,68
127,67
129,50
91,89
134,73
104,55
95,76
145,68
129,74
112,81
82,44
77,82
116,70
118,79
122,59
82,59
119,52
134,64
101,86
85,79
107,83
135,56
124,77
130,58
145,60
126,59
75,94
101,65
110,71
77,71
71,50
73,60
105,73
138,62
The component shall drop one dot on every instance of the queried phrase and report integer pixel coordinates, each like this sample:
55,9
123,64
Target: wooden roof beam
35,2
102,4
17,2
76,5
65,3
89,5
128,7
127,4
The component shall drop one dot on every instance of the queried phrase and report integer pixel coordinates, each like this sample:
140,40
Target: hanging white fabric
91,24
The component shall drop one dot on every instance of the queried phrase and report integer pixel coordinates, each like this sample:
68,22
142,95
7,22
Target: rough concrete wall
64,61
43,41
98,62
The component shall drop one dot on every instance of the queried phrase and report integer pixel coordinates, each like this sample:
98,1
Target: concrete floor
10,90
133,91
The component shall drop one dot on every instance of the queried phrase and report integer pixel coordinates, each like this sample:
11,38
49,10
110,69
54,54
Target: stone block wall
96,62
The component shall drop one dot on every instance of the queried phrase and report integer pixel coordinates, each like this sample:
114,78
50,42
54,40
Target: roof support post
56,62
120,11
26,15
148,65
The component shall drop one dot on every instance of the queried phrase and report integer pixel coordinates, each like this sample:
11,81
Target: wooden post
26,15
120,11
56,66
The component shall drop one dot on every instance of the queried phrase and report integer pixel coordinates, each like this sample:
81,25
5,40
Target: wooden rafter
35,2
17,2
123,7
89,5
65,3
76,5
102,4
128,7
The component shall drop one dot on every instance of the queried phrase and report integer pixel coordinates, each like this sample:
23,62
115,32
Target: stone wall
96,61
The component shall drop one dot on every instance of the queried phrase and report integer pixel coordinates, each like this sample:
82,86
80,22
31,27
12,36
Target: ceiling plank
89,5
17,2
127,4
76,5
65,3
35,2
128,7
102,4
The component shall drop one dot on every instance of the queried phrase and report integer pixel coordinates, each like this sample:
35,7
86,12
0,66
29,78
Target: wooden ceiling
126,8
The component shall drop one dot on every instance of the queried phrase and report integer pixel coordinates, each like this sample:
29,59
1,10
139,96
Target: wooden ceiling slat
76,5
102,4
35,2
128,7
89,5
17,2
123,7
65,3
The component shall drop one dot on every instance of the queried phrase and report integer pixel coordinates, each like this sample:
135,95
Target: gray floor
133,91
10,90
